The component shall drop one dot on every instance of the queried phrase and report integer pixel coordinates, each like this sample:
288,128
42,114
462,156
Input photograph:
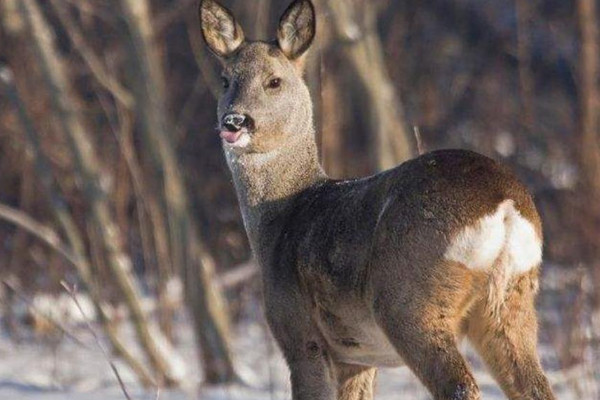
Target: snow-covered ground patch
62,369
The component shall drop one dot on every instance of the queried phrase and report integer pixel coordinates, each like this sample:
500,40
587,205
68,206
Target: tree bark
589,99
188,253
364,52
332,149
89,171
526,79
589,146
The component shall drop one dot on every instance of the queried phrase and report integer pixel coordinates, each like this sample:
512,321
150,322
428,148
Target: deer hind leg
506,339
432,354
423,324
355,382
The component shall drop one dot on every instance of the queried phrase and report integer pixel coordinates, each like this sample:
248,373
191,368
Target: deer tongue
230,137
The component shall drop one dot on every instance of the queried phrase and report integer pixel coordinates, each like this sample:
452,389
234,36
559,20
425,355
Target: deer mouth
240,138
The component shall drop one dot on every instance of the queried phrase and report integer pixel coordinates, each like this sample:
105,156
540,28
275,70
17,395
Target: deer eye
274,83
224,82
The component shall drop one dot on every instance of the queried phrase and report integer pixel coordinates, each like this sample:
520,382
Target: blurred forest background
112,178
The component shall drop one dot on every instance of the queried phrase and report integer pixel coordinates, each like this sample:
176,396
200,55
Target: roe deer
393,269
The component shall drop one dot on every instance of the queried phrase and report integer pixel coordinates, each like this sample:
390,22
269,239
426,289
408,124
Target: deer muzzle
234,127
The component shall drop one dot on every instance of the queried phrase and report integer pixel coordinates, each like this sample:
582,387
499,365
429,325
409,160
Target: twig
93,62
152,228
40,231
420,147
122,133
72,292
16,290
237,275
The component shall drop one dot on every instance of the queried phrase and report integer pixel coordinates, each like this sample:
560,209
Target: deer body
393,269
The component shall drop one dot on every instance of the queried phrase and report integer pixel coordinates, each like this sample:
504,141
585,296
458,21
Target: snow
56,367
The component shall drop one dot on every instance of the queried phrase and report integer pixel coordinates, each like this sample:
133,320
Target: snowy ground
65,370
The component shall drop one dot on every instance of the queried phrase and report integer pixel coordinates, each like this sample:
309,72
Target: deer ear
296,29
222,34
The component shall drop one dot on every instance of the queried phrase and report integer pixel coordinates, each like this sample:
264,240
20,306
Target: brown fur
508,343
355,275
355,382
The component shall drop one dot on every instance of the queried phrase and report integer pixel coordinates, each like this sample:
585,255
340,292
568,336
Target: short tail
520,253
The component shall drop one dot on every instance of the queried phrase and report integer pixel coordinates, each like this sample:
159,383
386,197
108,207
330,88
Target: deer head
265,102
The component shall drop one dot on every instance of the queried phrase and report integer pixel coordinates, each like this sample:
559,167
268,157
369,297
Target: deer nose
233,122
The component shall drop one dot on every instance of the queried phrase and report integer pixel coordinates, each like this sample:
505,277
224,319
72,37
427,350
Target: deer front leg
312,376
312,370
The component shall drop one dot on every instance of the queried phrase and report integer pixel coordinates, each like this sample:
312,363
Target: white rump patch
506,233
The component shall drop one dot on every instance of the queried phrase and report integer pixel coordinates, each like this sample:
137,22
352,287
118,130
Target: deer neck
267,183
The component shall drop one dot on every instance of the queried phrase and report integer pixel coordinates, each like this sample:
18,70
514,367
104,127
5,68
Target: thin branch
420,148
72,293
150,217
50,237
122,134
90,58
14,287
40,231
238,275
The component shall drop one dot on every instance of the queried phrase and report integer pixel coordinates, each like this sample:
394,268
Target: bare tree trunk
77,254
148,206
589,144
526,79
91,60
364,53
89,171
332,149
261,11
27,193
208,71
589,99
187,250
